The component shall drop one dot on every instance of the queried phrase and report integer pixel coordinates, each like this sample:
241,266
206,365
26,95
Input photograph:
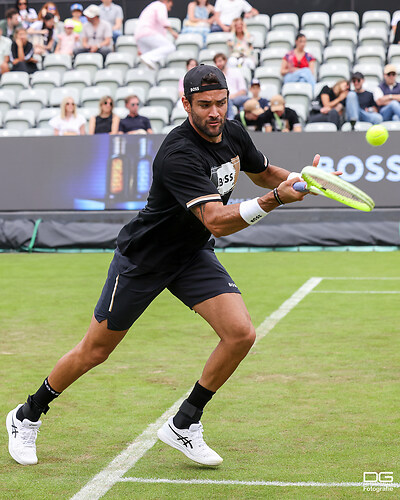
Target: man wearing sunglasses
134,123
360,104
387,94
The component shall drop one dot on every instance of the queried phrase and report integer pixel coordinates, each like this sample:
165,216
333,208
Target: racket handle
300,186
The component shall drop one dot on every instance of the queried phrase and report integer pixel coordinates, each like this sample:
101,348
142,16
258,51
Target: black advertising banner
114,172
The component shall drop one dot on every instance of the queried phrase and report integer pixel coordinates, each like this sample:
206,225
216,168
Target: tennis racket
318,181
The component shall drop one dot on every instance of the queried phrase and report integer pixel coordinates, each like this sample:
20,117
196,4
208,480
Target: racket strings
326,185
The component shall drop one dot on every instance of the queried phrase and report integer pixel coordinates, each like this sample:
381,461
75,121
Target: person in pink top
68,40
151,31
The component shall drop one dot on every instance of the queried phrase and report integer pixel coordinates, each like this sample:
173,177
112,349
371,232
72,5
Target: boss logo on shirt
194,89
225,176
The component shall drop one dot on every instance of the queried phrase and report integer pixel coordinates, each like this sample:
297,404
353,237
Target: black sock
191,409
38,403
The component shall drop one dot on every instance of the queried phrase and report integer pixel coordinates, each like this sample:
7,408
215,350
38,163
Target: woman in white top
69,122
27,15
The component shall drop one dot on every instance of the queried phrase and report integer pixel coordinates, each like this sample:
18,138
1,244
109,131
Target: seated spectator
42,34
77,17
241,46
27,15
360,104
252,116
10,23
396,27
5,51
228,10
279,118
255,91
106,122
134,123
96,34
49,8
190,63
236,84
68,122
68,41
113,14
387,94
21,56
200,15
330,104
298,65
152,25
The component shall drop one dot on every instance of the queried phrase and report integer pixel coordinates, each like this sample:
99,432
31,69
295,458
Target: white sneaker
148,62
22,438
190,442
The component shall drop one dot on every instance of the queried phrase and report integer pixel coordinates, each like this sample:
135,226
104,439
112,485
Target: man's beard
203,127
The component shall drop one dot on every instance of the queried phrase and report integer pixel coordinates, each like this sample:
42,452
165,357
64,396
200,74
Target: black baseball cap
193,78
357,76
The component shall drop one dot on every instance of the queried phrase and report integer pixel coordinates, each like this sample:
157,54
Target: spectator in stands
330,103
96,33
27,15
68,122
112,13
279,118
360,104
200,16
134,123
68,40
77,17
5,51
252,116
42,34
190,63
228,10
21,56
236,84
241,46
49,8
151,29
396,27
106,122
255,91
298,65
10,23
387,94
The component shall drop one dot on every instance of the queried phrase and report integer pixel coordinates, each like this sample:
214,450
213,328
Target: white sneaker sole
10,449
167,440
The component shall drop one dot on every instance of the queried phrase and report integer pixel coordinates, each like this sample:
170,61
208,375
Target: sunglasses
70,104
134,104
356,80
392,73
108,102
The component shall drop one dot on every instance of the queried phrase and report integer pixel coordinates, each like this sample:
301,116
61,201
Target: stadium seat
315,21
19,119
77,78
130,26
57,62
358,126
368,54
34,99
167,129
89,61
87,113
269,89
267,74
120,61
169,77
258,41
246,73
37,132
315,39
301,110
45,80
139,77
376,19
272,56
178,59
331,71
258,24
45,115
391,126
58,94
127,45
280,38
320,127
7,100
297,93
158,116
393,55
178,115
111,78
162,96
218,42
285,22
345,20
175,23
15,80
206,56
121,112
377,37
9,133
123,92
338,55
192,42
343,37
91,95
373,73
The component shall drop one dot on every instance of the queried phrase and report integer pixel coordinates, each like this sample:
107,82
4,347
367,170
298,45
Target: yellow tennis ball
377,135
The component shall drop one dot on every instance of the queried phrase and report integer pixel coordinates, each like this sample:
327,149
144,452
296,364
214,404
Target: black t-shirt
255,125
331,94
366,99
134,123
287,120
28,51
187,171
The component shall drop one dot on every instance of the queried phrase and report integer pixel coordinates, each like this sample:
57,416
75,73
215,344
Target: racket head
332,186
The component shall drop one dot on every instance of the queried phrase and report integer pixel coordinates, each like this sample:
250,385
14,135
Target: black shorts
129,289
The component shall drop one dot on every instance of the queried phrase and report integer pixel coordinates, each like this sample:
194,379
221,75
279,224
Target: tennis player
169,245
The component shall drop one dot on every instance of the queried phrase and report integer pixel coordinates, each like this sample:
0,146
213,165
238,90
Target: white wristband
292,175
251,212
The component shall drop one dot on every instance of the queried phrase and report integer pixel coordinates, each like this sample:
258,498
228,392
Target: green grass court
316,400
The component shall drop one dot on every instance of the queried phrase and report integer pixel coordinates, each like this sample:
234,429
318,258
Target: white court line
255,483
355,291
363,278
104,480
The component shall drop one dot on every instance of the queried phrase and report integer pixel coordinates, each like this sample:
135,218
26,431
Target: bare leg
93,349
229,317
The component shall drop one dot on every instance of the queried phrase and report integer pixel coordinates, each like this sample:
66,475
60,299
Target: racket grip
300,186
